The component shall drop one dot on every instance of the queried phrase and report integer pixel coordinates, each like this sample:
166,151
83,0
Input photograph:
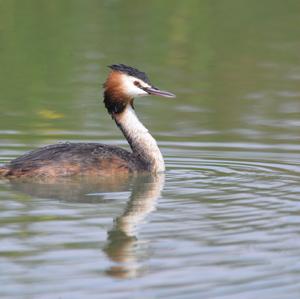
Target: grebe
69,159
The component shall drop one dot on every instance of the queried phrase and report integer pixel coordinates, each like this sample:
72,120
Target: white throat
143,145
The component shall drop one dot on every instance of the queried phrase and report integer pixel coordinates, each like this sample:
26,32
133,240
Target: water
223,222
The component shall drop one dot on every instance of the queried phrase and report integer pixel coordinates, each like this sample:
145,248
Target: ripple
229,212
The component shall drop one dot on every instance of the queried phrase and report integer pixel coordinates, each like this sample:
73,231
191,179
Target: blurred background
234,66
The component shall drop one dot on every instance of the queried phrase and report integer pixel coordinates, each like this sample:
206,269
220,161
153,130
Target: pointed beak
157,92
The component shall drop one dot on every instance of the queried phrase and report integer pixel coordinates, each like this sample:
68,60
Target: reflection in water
80,189
122,244
122,241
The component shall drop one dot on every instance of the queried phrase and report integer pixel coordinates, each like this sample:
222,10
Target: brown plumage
66,159
115,97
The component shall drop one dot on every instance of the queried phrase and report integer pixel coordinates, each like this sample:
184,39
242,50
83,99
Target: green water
223,222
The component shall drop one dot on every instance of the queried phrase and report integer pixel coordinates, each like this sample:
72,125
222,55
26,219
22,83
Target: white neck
143,145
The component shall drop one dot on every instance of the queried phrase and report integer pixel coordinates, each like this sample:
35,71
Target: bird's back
70,159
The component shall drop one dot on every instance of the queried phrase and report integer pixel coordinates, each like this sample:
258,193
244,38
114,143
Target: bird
122,86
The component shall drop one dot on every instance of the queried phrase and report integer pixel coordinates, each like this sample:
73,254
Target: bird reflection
122,247
122,243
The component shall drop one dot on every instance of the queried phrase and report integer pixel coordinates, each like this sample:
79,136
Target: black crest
130,71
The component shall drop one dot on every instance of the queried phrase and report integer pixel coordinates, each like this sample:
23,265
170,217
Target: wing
67,159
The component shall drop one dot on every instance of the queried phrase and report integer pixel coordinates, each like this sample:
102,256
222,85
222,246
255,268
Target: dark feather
72,159
130,71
